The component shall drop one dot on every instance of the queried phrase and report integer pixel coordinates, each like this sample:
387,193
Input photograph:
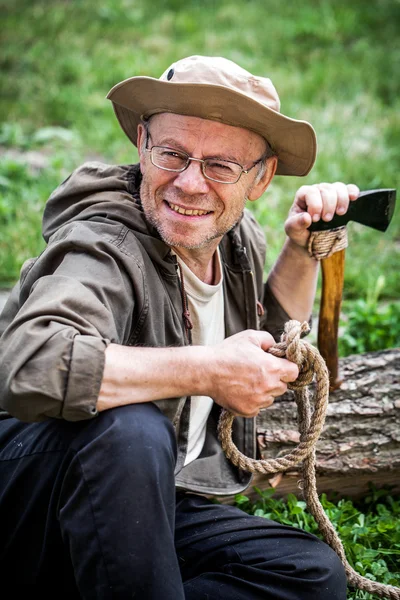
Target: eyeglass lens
219,170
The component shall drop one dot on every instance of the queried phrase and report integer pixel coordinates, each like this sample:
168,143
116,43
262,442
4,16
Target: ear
259,188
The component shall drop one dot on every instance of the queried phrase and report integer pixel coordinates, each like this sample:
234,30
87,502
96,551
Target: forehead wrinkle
183,136
174,144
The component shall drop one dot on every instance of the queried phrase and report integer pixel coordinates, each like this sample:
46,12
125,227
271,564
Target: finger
329,199
342,203
289,372
308,198
280,390
353,191
276,392
262,339
268,401
297,223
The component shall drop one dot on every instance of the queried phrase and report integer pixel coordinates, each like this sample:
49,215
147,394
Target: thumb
297,223
296,228
263,339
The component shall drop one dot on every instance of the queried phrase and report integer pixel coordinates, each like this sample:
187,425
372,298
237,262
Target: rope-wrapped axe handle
311,422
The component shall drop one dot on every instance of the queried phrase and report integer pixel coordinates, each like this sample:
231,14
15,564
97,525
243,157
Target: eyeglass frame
267,154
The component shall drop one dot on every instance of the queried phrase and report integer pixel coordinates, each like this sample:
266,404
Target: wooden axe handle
329,314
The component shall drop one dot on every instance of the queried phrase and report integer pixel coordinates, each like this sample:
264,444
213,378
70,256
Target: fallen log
360,443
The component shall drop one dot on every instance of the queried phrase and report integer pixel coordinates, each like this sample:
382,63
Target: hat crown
218,71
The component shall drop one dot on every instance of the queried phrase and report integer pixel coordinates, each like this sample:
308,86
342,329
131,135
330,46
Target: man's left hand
315,202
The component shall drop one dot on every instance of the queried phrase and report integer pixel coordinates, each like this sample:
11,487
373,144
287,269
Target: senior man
146,314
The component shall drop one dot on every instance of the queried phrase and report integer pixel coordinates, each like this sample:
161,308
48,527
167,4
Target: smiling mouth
191,212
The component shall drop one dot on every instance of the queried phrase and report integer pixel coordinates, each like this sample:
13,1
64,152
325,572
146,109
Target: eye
167,152
219,166
224,171
168,158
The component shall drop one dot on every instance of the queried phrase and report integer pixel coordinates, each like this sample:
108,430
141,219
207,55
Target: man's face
169,198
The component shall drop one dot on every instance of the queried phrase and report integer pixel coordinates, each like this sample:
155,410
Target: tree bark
360,443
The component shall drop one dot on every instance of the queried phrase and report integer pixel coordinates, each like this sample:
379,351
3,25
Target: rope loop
305,355
311,423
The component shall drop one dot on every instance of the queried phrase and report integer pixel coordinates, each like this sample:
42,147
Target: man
144,316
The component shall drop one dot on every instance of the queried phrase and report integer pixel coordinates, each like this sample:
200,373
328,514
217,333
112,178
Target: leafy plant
33,163
23,192
370,325
369,529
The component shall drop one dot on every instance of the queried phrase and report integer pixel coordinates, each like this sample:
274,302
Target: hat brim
293,141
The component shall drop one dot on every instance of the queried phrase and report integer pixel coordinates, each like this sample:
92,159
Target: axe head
373,208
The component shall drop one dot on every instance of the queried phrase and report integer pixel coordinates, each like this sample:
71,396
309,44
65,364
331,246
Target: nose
192,181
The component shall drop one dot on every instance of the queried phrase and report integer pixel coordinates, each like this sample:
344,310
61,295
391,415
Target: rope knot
298,351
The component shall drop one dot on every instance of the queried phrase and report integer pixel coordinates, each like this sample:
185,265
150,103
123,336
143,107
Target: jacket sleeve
75,299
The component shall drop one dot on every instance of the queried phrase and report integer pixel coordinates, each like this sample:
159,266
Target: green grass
334,63
369,528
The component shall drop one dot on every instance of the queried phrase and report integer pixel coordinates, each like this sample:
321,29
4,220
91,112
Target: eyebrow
172,143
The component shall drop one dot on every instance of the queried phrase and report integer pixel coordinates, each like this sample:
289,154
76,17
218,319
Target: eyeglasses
221,171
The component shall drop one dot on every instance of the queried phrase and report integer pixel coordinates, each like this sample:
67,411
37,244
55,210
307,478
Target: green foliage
370,326
26,181
333,62
369,529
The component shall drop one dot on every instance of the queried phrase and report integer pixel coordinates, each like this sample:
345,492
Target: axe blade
373,208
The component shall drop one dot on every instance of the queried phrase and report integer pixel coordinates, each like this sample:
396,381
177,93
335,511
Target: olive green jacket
106,276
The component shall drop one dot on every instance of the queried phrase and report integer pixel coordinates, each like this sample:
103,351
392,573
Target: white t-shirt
206,306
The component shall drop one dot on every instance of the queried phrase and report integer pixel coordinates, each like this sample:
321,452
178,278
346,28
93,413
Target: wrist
204,369
199,370
298,252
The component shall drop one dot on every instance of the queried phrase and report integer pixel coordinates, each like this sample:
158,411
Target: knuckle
303,189
340,185
353,189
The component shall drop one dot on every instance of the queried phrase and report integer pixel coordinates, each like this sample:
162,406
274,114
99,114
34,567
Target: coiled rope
311,423
322,244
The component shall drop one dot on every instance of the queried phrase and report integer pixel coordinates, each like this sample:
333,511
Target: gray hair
262,165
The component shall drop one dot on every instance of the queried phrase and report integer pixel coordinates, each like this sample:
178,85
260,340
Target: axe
375,209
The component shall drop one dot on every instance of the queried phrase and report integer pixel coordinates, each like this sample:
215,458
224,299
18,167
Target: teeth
189,212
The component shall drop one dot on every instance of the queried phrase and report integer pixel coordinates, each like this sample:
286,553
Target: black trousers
89,510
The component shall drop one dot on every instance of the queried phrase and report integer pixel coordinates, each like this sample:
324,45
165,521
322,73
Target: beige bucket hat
218,89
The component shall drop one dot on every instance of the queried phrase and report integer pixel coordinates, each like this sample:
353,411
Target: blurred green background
333,62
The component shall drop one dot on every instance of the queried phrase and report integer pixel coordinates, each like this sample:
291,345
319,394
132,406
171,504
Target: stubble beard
176,241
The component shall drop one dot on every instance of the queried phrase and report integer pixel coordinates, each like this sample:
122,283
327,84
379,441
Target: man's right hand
245,377
238,374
